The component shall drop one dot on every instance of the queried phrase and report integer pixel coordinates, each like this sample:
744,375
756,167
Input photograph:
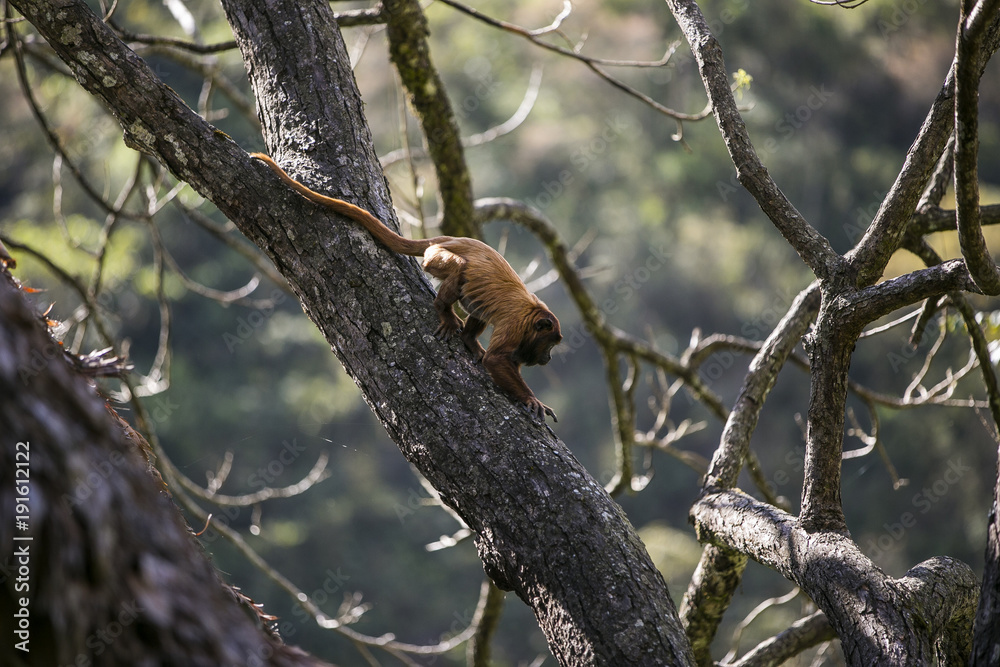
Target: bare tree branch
869,258
836,575
812,247
800,635
410,53
970,59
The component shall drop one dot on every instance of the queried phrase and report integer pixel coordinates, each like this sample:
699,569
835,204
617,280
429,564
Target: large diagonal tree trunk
544,528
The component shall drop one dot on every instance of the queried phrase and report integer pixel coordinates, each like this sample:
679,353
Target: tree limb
917,619
870,256
811,246
408,48
969,61
800,635
110,554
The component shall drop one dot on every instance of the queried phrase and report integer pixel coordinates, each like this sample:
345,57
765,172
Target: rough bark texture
114,575
544,527
986,638
923,617
715,580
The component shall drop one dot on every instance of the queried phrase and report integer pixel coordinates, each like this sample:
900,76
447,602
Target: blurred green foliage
837,97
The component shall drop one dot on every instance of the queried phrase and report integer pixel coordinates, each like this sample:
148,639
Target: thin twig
593,63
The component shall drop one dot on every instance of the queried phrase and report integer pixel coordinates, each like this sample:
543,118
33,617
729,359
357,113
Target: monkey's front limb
507,375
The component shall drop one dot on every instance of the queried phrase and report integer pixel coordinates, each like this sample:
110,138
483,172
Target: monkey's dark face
545,334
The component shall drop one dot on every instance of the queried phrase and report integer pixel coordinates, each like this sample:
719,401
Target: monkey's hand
538,410
448,326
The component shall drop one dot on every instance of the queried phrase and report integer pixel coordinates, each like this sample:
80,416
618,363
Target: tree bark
544,528
109,570
924,617
986,636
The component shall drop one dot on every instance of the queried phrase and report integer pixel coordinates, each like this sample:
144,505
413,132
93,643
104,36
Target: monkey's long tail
375,227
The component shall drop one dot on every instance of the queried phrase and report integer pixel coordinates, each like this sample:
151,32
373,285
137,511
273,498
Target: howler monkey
478,277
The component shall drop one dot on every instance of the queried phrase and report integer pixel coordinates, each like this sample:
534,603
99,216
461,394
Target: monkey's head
543,335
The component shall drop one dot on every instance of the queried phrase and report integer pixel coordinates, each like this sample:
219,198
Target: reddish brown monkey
478,277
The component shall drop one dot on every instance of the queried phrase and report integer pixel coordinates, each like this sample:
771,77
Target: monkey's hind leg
470,336
448,294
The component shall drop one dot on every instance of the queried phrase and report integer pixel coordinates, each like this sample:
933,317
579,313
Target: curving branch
800,635
533,35
346,19
214,78
934,219
348,614
409,51
924,615
870,256
595,65
720,571
812,247
871,303
222,232
508,126
761,376
752,616
211,494
938,184
970,59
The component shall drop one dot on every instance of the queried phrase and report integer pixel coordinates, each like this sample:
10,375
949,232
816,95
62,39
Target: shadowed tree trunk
986,640
108,570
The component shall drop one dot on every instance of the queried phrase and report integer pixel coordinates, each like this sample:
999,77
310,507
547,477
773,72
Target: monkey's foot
477,350
538,410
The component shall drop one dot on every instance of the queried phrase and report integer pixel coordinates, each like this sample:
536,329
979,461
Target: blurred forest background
670,243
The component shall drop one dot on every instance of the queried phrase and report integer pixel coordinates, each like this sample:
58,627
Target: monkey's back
491,289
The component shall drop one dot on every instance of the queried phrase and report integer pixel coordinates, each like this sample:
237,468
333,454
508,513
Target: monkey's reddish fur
478,277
